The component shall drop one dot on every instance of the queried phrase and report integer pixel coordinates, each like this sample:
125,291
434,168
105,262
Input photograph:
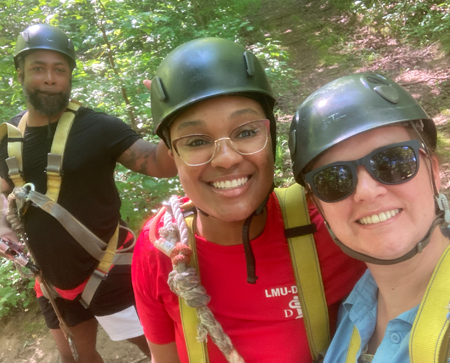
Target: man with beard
45,58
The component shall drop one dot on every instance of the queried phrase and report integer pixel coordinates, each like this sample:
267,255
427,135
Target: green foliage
421,20
16,291
118,44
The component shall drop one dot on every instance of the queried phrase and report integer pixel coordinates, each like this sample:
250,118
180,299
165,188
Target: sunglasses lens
334,183
394,166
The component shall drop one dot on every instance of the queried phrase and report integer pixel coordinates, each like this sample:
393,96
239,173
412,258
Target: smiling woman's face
231,186
405,211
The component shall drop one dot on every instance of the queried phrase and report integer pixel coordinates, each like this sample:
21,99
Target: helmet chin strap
442,215
249,256
376,261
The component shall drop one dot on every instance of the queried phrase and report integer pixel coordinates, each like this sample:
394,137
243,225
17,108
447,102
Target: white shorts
122,325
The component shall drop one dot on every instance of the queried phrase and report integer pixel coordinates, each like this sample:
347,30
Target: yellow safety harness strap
429,339
353,348
306,269
14,161
102,270
431,324
197,352
55,157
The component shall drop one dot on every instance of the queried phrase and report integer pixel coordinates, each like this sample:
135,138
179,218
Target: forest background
302,44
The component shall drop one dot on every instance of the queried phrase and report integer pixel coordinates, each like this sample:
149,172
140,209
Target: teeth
229,184
381,217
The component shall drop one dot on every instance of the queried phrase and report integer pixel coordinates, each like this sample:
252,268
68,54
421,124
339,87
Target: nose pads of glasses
227,142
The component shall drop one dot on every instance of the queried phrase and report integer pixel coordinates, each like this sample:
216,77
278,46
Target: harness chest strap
55,157
101,251
429,339
307,274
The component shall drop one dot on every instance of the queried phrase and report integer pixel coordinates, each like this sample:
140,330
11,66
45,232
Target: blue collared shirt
360,310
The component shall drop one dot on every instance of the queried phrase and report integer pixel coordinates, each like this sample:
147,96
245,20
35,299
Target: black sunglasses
391,164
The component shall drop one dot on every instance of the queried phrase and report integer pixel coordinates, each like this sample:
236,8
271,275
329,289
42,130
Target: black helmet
205,68
347,107
46,37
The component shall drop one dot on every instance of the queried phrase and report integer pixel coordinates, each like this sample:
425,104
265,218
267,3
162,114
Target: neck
228,233
36,118
402,286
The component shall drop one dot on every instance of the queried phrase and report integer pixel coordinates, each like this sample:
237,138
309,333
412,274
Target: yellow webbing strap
429,339
354,346
102,270
14,160
55,158
431,324
197,352
306,269
106,262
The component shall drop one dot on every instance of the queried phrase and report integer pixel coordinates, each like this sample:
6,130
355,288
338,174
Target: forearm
147,158
164,353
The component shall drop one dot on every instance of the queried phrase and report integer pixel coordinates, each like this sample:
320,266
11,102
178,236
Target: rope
17,197
185,283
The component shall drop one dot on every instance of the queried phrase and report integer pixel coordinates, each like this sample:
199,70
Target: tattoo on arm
139,157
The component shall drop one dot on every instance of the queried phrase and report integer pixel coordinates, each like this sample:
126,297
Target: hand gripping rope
184,281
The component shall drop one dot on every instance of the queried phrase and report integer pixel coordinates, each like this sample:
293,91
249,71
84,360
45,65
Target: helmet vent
26,37
388,93
159,89
377,80
250,61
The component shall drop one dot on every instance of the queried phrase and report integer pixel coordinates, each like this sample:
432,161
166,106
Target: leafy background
119,43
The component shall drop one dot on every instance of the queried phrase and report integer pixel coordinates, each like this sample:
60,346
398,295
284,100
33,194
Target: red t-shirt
264,320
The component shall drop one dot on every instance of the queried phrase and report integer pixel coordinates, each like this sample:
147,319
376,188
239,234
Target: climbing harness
24,194
177,240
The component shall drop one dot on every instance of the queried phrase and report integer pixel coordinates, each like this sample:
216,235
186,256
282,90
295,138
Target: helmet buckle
443,205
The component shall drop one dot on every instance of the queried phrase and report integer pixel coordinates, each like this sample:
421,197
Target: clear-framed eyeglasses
246,139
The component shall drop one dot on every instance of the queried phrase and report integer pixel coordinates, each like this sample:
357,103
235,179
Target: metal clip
442,202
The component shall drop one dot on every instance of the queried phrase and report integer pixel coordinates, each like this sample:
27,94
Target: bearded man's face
47,81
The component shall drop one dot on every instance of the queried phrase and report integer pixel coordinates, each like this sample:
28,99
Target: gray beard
48,105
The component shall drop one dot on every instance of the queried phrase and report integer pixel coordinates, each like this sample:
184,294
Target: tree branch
112,62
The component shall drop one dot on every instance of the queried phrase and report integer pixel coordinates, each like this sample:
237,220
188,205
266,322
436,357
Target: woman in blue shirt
364,149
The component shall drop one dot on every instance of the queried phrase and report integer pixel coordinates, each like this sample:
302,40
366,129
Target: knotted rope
183,280
16,200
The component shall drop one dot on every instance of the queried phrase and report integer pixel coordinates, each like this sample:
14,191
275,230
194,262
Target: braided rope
18,196
185,283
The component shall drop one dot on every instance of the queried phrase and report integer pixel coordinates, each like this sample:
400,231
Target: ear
20,75
170,153
436,173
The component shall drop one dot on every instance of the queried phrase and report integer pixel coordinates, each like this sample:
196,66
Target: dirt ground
298,25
